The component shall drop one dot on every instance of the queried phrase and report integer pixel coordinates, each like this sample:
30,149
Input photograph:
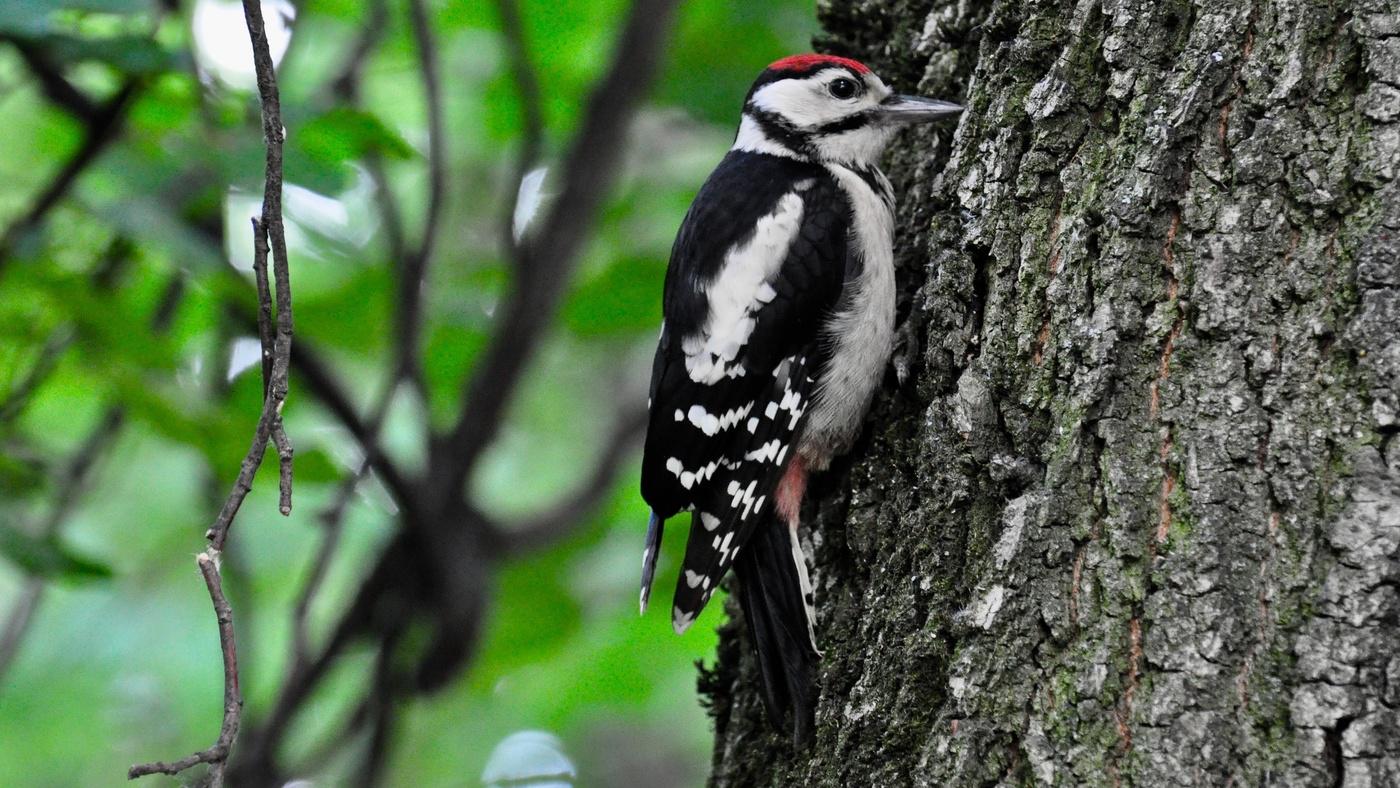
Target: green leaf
314,466
42,16
624,297
130,54
20,476
344,134
47,557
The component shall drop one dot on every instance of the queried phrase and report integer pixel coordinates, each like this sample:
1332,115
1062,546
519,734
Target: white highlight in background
528,201
221,46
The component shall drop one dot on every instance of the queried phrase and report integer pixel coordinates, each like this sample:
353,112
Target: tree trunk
1134,517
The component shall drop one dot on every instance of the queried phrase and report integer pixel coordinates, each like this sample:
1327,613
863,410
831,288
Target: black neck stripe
775,128
848,123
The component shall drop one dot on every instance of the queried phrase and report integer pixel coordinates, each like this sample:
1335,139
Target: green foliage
133,661
342,134
48,557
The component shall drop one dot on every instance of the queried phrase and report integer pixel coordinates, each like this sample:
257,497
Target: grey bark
1134,519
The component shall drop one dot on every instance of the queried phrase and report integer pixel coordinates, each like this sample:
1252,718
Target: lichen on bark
1135,517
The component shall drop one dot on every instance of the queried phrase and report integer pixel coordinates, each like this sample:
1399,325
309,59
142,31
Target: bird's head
828,108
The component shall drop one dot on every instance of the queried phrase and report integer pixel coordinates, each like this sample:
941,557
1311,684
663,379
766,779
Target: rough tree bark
1135,516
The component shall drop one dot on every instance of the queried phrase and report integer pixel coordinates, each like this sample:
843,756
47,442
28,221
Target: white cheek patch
802,102
738,292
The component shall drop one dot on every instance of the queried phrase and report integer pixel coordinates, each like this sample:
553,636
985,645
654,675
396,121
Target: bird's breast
861,329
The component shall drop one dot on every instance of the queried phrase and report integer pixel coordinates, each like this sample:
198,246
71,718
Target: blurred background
129,380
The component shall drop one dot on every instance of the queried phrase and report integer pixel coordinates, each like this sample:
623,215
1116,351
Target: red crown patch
810,62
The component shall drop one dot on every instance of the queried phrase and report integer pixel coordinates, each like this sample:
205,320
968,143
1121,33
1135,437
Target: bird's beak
916,109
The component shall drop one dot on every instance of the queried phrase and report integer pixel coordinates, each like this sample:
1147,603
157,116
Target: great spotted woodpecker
778,323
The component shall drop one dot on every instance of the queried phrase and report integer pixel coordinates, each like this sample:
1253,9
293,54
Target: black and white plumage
778,323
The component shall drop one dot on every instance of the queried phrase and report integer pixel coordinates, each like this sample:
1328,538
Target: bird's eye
843,88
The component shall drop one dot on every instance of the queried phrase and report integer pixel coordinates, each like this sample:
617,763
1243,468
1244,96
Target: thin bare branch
267,232
547,259
283,445
437,568
216,755
264,290
267,338
527,87
275,384
317,379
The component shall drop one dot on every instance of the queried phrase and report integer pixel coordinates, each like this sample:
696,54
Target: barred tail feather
804,582
775,611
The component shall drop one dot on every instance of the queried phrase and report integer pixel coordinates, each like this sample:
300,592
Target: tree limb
546,260
414,268
55,85
527,86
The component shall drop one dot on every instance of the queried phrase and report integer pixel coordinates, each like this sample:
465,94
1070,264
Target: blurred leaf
131,54
41,16
315,466
352,316
451,350
19,476
535,615
624,297
344,134
48,558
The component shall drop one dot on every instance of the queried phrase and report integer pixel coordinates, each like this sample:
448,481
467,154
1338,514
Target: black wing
726,406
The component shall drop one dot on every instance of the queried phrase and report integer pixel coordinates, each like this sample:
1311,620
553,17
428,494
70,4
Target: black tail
770,592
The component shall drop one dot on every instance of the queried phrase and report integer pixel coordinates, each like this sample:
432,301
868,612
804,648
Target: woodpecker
778,321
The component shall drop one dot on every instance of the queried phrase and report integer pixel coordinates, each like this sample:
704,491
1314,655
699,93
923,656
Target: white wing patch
766,452
687,478
711,424
744,496
739,291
